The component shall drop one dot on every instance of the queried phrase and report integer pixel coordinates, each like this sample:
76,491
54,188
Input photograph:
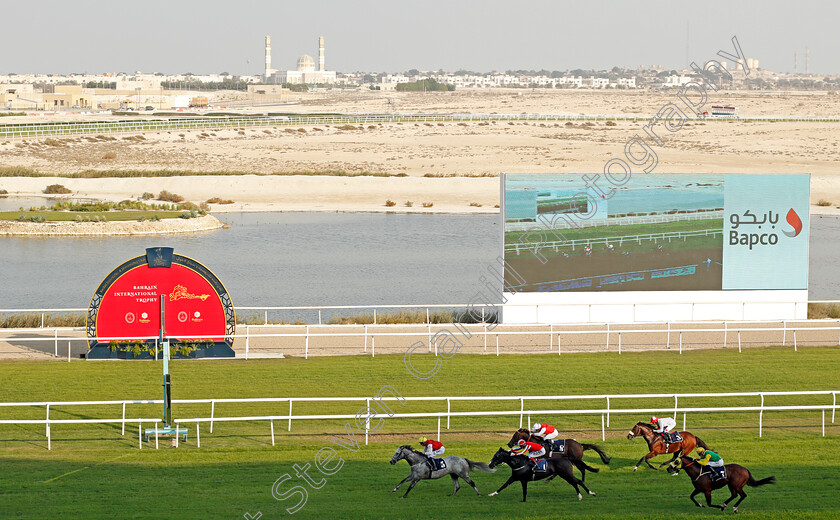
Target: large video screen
586,232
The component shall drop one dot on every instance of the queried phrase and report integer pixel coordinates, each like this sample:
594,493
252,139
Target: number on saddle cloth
558,446
672,437
436,464
717,473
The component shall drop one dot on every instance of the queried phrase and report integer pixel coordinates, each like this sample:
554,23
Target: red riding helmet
654,419
521,442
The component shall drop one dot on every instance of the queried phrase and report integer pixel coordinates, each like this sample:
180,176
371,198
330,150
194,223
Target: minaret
321,53
267,57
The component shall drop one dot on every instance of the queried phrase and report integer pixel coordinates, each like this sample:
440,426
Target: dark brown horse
656,444
574,449
736,478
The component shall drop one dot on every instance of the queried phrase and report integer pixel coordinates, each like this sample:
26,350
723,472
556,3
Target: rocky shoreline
161,227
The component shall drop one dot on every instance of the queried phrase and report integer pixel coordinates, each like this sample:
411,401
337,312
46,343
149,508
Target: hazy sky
93,36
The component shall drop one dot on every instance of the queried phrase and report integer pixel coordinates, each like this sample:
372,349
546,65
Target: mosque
305,72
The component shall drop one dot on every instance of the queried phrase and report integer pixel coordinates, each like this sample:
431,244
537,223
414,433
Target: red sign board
130,307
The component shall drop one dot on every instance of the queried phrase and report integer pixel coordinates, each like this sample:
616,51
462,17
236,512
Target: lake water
299,259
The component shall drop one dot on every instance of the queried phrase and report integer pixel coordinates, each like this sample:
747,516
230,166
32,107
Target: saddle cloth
557,446
717,473
541,465
436,464
672,437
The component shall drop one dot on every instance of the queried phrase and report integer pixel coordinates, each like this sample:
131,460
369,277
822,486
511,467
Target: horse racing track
95,472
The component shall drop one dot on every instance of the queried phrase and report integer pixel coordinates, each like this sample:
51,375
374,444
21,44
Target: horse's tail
598,450
579,464
480,466
700,442
755,483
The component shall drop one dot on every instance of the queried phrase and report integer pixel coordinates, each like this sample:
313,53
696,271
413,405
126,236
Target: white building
305,72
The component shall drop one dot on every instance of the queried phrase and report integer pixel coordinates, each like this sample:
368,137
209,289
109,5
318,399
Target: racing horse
574,449
736,478
455,467
521,471
656,444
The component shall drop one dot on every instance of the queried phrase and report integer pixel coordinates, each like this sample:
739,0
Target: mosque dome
306,64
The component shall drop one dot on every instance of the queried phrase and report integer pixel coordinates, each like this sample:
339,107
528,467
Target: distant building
306,72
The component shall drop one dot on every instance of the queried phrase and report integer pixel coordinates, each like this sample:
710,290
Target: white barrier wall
646,306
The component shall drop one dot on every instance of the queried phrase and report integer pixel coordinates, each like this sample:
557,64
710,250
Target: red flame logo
795,222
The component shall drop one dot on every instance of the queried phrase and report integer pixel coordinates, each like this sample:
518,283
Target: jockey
663,426
431,448
531,449
545,431
712,461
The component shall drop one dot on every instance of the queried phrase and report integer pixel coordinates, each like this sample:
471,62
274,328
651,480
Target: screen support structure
163,341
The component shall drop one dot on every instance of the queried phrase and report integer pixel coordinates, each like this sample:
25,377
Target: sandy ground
162,227
454,151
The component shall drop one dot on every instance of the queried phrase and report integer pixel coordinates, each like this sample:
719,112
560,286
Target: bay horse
521,471
455,467
574,449
736,478
656,444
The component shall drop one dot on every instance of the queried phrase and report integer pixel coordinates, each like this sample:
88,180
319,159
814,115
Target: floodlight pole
167,395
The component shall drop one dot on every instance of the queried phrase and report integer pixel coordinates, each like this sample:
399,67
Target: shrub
390,203
4,192
57,189
110,155
408,203
170,197
147,196
824,202
428,204
475,204
610,123
217,200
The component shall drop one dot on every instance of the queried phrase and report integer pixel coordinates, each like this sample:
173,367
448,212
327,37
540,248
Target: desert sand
452,166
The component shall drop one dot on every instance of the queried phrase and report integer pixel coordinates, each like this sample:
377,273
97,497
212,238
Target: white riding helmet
537,426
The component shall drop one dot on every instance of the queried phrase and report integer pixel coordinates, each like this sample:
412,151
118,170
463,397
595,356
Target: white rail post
47,424
68,351
290,415
438,435
448,411
123,419
197,434
365,338
485,338
247,340
306,351
838,332
56,342
680,342
724,334
551,338
430,340
272,430
212,414
761,416
668,342
521,410
559,348
784,332
794,340
373,346
833,405
675,407
429,320
739,340
319,316
823,422
156,435
619,342
140,435
177,429
608,335
374,316
603,430
497,344
684,421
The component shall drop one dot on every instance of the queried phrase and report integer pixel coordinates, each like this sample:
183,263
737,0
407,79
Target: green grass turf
111,216
94,472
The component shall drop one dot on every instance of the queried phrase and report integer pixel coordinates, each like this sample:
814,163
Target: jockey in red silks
431,448
545,431
531,449
664,426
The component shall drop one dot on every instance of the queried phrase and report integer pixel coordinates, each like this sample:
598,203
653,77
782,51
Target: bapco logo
765,236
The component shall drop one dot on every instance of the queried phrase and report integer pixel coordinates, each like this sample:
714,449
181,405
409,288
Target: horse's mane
409,448
642,423
523,430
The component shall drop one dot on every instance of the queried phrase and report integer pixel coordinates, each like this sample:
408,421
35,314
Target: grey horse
455,467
